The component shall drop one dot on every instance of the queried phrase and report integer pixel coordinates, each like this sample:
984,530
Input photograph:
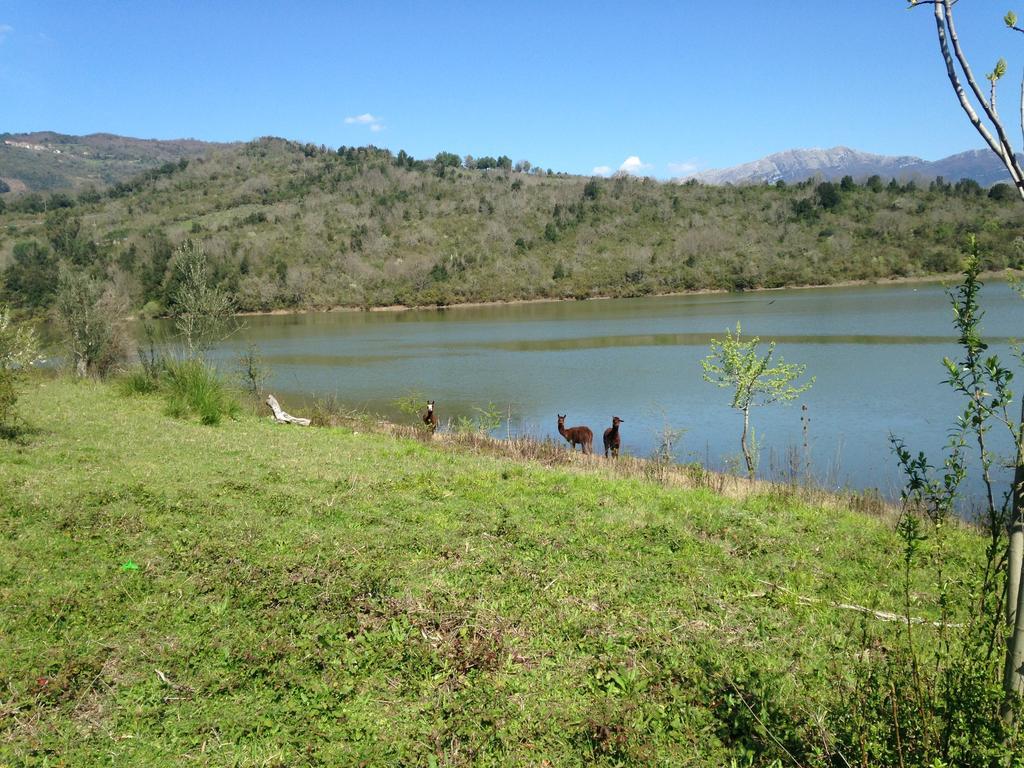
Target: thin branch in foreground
881,615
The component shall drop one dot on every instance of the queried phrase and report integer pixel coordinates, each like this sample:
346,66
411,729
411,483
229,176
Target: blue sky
572,86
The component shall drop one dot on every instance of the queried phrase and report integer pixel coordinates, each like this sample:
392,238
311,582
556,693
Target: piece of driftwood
284,418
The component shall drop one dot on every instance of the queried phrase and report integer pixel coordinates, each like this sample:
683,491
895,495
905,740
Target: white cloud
601,170
5,30
362,119
633,165
374,123
685,168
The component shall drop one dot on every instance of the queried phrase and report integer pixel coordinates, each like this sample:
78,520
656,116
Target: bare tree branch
1003,149
965,103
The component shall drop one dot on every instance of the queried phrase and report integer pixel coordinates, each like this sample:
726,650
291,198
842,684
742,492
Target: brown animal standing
581,436
430,417
611,438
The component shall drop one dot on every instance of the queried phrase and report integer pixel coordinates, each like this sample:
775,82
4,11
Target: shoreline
911,280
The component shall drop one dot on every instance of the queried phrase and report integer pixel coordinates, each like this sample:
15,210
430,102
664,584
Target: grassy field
253,594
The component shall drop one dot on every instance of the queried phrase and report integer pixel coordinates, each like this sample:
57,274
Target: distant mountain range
832,164
45,161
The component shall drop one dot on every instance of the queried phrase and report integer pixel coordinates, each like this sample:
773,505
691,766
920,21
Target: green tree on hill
828,195
31,277
69,241
1002,192
447,160
968,188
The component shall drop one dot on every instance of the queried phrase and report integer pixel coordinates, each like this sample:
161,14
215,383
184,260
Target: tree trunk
1013,677
743,442
1015,550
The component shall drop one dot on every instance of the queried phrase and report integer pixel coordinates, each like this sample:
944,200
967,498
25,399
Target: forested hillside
45,161
287,225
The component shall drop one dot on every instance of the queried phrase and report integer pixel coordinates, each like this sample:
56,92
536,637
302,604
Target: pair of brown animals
583,437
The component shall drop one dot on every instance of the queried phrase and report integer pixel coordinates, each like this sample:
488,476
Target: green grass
329,597
138,381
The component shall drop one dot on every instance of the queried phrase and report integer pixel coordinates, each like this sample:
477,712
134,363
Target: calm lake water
876,352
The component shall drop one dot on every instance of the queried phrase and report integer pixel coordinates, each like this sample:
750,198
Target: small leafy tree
482,422
254,371
736,364
89,317
202,311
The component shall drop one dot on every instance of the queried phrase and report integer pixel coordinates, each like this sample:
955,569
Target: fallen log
284,418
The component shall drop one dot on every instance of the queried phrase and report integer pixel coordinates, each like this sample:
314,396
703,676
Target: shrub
193,387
